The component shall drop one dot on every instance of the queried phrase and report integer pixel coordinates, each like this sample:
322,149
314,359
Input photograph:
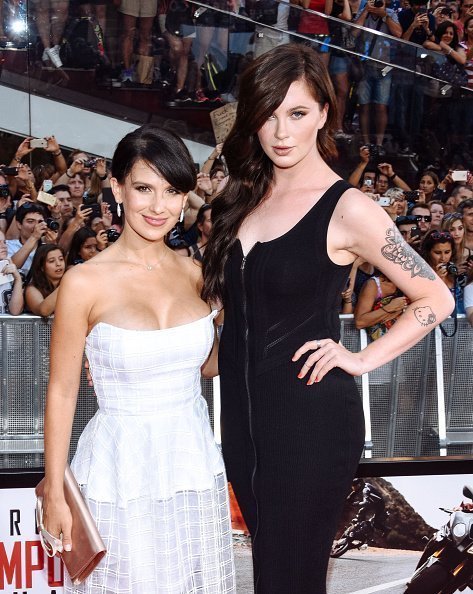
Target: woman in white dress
147,462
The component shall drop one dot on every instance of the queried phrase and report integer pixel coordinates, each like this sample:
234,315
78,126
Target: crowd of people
197,54
43,233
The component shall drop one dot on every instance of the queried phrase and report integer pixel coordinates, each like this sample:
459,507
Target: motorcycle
355,536
446,565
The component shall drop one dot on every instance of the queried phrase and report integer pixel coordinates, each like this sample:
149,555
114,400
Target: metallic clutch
87,546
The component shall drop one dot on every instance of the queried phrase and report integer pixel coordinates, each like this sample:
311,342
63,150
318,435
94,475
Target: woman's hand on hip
326,355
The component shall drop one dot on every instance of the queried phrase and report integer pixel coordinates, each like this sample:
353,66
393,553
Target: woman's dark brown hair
263,87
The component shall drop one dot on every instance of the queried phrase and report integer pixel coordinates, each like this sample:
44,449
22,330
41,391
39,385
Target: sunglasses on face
425,218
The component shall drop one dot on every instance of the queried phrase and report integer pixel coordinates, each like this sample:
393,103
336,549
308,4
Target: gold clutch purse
87,546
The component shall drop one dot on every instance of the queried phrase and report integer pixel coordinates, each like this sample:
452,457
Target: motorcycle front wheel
430,580
339,547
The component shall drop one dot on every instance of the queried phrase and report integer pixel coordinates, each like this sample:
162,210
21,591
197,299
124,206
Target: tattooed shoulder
398,251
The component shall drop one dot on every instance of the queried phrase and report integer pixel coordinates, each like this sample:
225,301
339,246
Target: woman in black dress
286,230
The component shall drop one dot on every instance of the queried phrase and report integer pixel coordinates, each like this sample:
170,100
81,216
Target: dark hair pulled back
263,87
162,150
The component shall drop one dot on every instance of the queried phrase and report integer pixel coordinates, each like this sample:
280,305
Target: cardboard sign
222,120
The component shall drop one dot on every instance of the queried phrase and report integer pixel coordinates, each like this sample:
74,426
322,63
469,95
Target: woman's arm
67,347
346,14
381,244
16,301
39,305
458,54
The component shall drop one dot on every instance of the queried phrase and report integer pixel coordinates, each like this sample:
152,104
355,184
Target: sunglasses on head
452,215
439,235
425,218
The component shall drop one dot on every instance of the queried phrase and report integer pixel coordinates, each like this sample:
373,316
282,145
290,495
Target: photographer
33,230
422,214
51,146
439,251
5,203
409,229
417,25
11,292
92,171
374,88
466,209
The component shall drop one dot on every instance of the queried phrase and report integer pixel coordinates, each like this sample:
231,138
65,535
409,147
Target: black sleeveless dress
290,450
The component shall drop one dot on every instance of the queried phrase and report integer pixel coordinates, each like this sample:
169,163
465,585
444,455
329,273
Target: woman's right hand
57,519
441,270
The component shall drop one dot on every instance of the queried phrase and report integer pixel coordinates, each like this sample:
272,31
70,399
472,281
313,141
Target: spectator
445,40
398,206
379,305
204,227
179,32
374,89
32,228
467,45
409,229
466,210
339,66
64,199
267,38
5,202
46,272
84,246
386,169
437,212
417,24
468,299
422,214
427,186
315,26
438,250
460,193
131,11
453,224
76,187
466,11
51,16
362,172
11,291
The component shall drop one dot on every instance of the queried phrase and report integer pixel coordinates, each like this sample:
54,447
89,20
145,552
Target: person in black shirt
417,25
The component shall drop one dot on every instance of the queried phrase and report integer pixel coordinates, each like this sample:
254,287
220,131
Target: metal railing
420,404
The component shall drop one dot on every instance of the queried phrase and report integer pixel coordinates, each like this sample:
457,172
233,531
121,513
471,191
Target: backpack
82,46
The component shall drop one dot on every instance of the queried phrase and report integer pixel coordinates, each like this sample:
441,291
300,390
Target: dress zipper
247,384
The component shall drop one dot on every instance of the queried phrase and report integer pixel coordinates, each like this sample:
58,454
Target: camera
452,269
52,224
90,163
378,3
112,235
4,191
368,182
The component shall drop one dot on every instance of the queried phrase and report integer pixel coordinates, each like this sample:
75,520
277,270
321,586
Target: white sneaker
53,55
45,57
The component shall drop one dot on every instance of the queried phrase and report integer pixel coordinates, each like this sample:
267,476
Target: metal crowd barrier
420,404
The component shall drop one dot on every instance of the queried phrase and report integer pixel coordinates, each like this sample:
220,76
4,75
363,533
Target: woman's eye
142,188
298,114
173,191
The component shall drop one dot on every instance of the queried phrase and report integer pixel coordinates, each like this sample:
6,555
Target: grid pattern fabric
149,467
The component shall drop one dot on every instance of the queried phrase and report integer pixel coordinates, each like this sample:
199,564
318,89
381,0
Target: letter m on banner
10,568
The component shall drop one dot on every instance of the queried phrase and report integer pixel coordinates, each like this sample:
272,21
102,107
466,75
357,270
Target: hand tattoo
425,315
398,251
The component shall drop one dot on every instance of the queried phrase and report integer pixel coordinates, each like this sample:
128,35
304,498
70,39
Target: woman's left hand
327,355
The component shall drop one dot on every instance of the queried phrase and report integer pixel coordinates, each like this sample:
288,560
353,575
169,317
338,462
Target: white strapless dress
149,467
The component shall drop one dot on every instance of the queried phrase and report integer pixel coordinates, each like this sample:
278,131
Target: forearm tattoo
398,251
424,315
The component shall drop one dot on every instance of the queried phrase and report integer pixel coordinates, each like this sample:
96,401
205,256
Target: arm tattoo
425,315
398,251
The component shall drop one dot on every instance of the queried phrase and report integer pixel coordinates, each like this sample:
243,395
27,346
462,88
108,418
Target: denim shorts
374,87
338,64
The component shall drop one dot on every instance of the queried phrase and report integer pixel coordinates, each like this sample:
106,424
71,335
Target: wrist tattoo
398,251
424,315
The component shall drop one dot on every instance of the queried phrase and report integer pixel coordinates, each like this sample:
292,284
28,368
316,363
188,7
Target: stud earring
181,218
119,209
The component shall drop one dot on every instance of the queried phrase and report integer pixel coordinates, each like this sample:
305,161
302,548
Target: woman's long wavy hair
263,87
